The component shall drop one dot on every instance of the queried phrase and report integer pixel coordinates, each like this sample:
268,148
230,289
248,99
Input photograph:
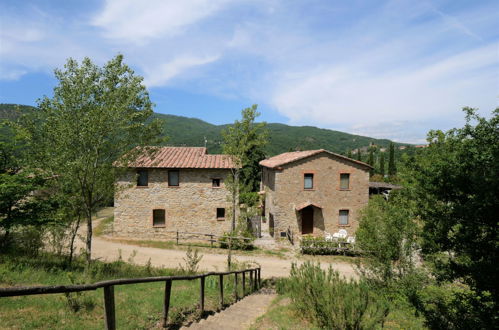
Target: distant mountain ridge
184,131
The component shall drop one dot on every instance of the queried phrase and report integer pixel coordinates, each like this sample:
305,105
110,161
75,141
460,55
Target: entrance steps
239,315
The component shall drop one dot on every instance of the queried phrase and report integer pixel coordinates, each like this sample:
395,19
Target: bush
249,198
332,302
237,242
455,306
191,260
320,246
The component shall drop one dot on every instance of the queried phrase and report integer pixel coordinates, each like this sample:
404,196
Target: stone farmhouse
178,188
313,192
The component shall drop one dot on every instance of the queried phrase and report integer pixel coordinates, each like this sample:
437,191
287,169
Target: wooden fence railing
212,238
108,286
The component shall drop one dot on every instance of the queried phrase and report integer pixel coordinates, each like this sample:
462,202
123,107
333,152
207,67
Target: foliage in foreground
331,302
387,236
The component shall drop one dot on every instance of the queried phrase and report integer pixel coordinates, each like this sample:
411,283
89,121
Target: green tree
392,169
359,156
349,153
370,161
244,142
22,202
96,116
382,164
456,187
387,233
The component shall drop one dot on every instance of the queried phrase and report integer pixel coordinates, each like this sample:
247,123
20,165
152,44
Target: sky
385,69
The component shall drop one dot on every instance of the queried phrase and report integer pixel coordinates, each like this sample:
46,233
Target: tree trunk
89,237
72,242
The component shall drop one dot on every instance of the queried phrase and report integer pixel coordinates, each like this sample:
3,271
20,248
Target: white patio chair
342,233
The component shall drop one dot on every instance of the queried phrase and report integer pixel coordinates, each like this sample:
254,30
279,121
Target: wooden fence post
252,288
211,240
235,286
177,236
201,298
259,277
109,307
221,283
166,305
244,283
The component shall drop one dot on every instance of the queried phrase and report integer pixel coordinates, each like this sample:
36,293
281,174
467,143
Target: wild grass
138,306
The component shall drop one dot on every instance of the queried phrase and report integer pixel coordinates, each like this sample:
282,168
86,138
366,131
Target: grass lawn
138,306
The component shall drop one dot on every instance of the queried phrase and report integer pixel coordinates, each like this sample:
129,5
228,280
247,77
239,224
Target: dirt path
271,266
239,315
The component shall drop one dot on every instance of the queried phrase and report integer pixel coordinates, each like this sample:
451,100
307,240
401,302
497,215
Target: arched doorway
307,220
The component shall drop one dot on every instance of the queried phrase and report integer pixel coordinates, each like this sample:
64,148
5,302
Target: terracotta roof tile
182,157
289,157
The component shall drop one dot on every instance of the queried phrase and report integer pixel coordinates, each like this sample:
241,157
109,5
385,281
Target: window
158,218
344,217
215,183
345,181
142,178
173,178
308,179
220,213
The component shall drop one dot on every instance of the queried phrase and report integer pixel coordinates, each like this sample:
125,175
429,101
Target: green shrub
249,198
191,260
456,306
320,246
237,242
332,302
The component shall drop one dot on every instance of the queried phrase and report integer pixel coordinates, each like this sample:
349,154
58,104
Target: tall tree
370,161
19,203
349,153
244,142
456,187
382,164
359,156
96,115
392,170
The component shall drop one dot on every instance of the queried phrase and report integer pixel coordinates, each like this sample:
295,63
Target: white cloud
139,21
163,73
344,95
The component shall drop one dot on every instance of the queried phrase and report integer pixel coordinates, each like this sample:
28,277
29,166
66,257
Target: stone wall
289,192
191,206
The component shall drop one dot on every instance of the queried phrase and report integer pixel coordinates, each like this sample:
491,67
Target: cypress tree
358,154
392,170
349,153
371,161
382,164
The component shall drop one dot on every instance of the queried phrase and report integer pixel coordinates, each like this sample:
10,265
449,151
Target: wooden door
307,220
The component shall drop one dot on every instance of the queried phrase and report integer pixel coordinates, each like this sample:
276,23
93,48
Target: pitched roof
182,157
289,157
304,205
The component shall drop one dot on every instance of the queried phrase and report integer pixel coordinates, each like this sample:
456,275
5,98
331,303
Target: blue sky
387,69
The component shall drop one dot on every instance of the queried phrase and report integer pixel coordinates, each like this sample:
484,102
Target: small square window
142,178
220,213
173,178
215,183
345,181
308,181
343,217
158,218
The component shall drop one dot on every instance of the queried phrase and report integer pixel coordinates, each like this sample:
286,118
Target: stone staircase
266,242
239,315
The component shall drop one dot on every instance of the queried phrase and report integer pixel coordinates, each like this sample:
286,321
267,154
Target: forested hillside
183,131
